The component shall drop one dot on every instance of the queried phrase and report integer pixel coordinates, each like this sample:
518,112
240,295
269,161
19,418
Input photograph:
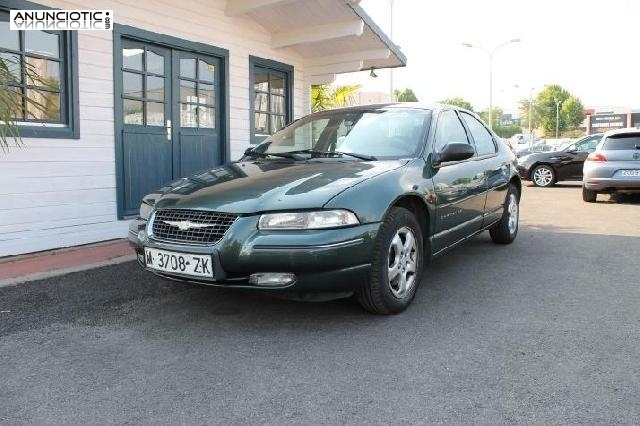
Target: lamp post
490,54
391,99
558,102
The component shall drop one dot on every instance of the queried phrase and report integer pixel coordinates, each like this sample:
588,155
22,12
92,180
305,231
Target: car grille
191,226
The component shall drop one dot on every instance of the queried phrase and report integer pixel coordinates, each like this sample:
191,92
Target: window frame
280,68
69,125
466,131
461,115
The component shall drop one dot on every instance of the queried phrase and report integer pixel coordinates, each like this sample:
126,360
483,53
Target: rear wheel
505,231
589,195
396,267
543,176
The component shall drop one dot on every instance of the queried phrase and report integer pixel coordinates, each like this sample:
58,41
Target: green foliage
405,95
524,114
9,103
11,100
507,131
457,101
496,116
571,111
324,96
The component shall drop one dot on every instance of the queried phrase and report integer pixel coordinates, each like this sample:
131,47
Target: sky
591,48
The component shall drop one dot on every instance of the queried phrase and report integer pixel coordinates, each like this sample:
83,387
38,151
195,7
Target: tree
495,116
405,95
571,112
525,108
324,96
457,101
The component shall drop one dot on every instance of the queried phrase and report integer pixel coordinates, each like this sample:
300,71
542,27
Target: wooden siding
59,192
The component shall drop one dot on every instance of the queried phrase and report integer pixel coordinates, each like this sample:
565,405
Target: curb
57,272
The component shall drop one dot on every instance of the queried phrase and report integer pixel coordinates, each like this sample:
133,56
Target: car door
495,169
575,156
460,187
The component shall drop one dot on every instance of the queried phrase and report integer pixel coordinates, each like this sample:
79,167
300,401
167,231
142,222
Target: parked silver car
614,166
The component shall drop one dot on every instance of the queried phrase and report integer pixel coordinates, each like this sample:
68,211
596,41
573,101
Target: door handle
168,128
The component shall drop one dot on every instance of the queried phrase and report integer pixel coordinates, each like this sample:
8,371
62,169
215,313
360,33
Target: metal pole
530,110
557,117
391,95
491,91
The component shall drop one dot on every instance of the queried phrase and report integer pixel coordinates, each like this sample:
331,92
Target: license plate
629,172
195,265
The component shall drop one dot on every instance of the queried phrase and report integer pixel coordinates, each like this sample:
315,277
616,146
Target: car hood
256,186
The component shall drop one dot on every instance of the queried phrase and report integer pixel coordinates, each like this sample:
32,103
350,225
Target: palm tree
324,96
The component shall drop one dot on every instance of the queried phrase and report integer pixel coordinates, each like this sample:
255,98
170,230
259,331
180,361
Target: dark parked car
547,168
614,166
356,199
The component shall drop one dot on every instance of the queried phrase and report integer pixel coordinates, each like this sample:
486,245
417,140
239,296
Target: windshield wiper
340,153
251,153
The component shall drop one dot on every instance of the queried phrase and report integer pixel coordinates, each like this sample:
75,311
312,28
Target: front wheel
396,267
505,231
589,195
543,176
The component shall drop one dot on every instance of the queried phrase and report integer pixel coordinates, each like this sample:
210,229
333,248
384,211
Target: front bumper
322,260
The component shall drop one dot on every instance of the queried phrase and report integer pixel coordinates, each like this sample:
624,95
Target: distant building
509,120
604,118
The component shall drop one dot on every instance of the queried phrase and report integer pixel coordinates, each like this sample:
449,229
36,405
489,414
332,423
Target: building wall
58,192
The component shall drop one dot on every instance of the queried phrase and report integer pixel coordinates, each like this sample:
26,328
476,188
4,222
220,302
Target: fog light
142,236
272,279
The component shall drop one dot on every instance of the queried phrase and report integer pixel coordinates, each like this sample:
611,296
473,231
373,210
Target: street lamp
558,102
391,99
490,53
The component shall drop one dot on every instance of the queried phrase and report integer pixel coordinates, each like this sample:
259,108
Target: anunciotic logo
61,19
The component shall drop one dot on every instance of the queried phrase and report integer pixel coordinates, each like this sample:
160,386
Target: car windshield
377,134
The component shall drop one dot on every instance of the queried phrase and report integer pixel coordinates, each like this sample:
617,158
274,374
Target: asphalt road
546,330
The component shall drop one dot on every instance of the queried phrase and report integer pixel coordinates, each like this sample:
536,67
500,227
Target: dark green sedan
351,200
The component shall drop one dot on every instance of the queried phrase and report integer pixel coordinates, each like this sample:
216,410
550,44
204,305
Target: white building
175,87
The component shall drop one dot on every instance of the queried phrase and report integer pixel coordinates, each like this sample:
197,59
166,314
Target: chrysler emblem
185,225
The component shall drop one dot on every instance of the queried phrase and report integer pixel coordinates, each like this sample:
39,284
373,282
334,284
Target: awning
333,36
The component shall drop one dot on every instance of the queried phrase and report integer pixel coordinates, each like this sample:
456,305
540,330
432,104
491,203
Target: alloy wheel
543,176
402,262
513,211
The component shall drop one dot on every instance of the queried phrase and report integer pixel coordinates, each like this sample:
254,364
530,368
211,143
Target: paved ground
546,330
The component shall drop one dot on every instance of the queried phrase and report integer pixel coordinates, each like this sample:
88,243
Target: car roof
622,131
392,105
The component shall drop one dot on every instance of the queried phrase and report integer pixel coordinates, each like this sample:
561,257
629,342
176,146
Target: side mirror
454,151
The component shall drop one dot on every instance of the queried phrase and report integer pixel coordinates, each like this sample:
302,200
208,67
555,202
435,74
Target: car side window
481,136
588,145
449,130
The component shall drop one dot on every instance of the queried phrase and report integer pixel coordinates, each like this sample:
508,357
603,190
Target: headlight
308,220
147,206
145,210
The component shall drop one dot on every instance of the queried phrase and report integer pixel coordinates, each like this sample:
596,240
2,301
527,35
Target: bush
507,131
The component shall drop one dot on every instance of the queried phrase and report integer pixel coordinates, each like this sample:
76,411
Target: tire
589,195
543,176
506,230
384,292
